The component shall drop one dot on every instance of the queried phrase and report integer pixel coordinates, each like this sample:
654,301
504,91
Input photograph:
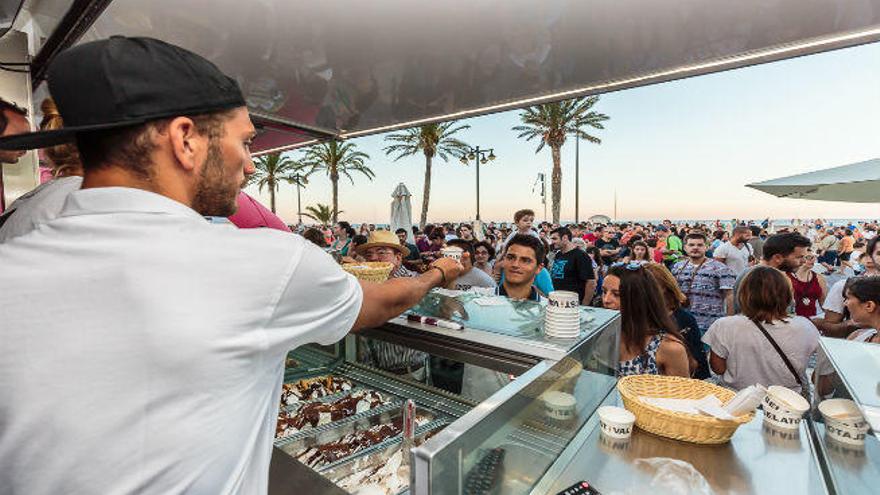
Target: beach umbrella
401,211
854,183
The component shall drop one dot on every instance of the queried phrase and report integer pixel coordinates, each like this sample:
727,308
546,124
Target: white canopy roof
344,68
854,183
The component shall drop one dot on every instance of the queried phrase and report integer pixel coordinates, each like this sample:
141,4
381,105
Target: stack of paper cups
562,320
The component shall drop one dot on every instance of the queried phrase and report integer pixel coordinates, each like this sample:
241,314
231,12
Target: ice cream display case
340,420
846,420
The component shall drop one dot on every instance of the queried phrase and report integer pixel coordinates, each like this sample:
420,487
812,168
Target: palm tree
321,213
432,140
271,171
337,158
552,122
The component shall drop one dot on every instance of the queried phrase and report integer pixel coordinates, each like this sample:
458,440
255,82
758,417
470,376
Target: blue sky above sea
681,150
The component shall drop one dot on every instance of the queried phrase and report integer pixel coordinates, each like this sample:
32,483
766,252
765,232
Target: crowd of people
698,300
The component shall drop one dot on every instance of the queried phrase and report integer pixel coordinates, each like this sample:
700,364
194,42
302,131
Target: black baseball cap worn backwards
120,81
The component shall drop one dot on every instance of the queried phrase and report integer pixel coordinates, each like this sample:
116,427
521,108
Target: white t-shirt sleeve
716,338
318,303
834,301
721,251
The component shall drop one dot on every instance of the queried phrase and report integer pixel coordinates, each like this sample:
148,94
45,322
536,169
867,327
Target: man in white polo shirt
143,348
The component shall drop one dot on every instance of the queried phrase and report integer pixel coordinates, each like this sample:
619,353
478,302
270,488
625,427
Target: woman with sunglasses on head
809,287
650,342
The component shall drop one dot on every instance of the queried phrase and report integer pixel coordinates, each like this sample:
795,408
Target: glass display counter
510,440
852,468
503,338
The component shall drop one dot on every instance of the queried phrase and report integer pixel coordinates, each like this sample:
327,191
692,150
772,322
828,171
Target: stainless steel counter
757,460
852,469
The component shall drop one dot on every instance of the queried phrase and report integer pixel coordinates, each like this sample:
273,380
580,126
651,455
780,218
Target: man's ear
187,144
870,306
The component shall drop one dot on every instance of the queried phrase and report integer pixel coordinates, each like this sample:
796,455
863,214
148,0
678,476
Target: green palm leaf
552,123
337,158
271,171
431,140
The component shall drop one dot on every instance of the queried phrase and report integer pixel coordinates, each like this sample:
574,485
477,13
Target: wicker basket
369,271
692,428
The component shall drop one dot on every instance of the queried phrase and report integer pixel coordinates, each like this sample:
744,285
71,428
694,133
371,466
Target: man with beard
736,252
707,283
785,252
164,336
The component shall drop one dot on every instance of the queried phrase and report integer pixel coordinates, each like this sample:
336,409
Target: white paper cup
784,408
844,421
563,300
559,406
616,422
452,252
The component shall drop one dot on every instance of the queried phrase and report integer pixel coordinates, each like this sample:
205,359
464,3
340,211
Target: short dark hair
12,107
784,244
742,228
563,232
467,246
696,235
400,231
872,245
864,288
358,240
437,234
131,146
528,241
315,236
522,213
488,246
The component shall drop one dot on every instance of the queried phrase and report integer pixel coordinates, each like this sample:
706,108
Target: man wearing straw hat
157,367
384,246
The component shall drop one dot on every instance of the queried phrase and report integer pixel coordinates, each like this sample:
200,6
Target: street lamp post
300,181
479,155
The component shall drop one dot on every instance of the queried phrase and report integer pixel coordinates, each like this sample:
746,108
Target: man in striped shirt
384,246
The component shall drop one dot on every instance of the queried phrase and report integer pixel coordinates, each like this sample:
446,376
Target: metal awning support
78,19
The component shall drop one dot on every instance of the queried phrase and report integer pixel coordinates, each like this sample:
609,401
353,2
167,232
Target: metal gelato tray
305,442
424,396
391,402
381,461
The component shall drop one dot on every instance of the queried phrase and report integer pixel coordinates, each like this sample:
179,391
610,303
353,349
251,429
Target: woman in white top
742,354
863,304
45,202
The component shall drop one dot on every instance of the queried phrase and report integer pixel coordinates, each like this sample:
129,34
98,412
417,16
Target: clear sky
681,150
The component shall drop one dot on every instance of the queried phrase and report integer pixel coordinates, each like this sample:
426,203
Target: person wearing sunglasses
650,342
